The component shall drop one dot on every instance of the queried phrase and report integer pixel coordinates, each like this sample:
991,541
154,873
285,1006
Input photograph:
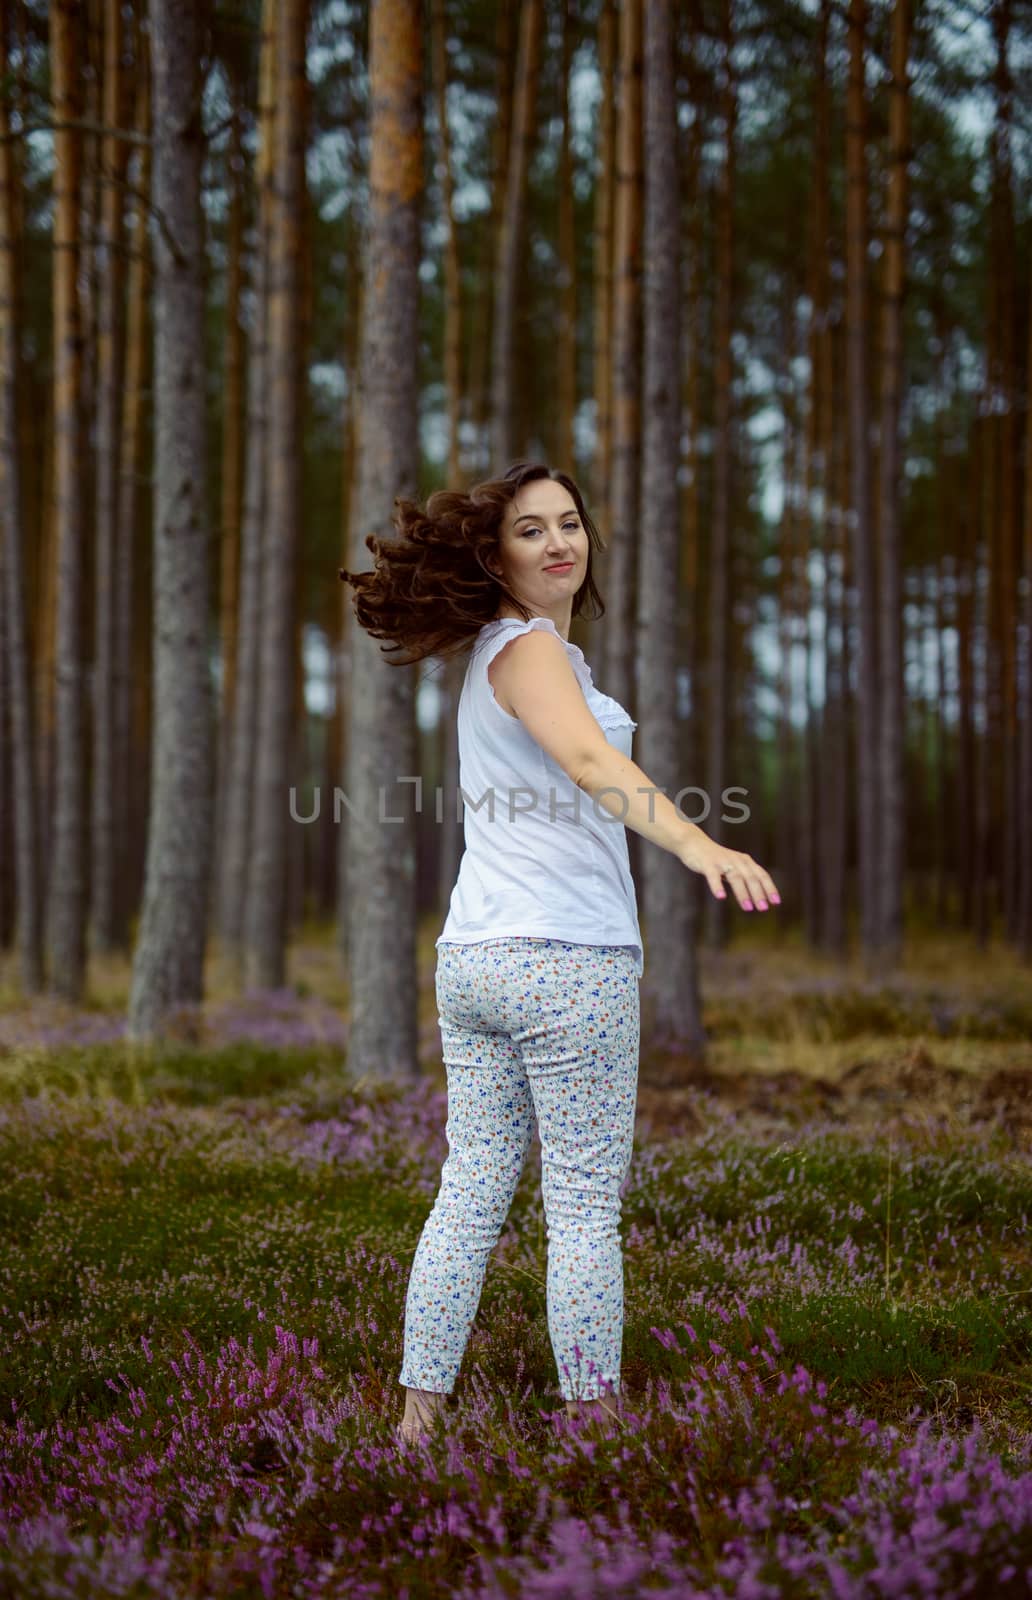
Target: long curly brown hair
430,590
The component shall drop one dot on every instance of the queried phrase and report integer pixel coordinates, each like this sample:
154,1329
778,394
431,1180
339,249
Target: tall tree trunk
130,797
867,787
816,492
693,330
602,316
108,844
966,582
44,611
232,474
890,597
449,831
673,1015
168,968
940,550
1025,887
720,543
566,333
380,874
8,909
625,475
266,915
828,825
16,664
511,240
986,669
1004,392
236,816
481,334
346,621
834,740
786,835
67,908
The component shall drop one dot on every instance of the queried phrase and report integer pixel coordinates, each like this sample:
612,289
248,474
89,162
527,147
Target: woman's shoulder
496,634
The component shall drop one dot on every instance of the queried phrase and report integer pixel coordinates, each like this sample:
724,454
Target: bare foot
595,1416
421,1407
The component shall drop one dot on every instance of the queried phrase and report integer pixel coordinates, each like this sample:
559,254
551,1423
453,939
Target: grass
827,1367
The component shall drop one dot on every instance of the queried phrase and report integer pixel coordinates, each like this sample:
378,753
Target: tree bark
602,314
860,485
1004,385
67,907
673,1009
131,799
449,831
232,474
891,804
168,968
481,333
236,815
511,239
566,300
17,669
266,914
1025,758
107,841
625,474
379,876
720,543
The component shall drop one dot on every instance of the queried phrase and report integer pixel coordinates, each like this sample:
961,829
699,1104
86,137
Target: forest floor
827,1357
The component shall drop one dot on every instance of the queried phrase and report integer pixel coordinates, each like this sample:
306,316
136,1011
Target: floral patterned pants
546,1030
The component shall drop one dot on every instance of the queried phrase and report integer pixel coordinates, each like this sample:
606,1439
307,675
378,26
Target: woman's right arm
534,673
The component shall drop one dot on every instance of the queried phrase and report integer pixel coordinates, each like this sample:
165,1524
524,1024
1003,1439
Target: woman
540,955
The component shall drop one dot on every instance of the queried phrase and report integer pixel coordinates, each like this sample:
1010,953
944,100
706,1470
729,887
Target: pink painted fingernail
762,904
776,898
746,905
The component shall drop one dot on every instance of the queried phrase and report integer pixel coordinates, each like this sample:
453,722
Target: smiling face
540,528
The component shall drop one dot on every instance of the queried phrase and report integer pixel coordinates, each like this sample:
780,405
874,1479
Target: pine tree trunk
625,472
236,810
602,319
1004,390
266,915
346,621
967,570
786,850
512,243
107,843
44,609
868,723
987,668
67,907
232,474
379,876
1025,758
566,299
692,211
168,969
449,831
834,743
890,597
482,332
13,616
129,759
672,1017
720,543
826,722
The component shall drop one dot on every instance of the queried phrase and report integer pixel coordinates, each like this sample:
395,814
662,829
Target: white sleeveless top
542,859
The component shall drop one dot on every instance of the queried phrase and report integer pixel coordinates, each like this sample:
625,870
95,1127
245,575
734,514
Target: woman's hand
750,883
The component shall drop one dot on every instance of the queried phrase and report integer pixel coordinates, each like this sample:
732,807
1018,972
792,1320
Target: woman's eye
566,525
